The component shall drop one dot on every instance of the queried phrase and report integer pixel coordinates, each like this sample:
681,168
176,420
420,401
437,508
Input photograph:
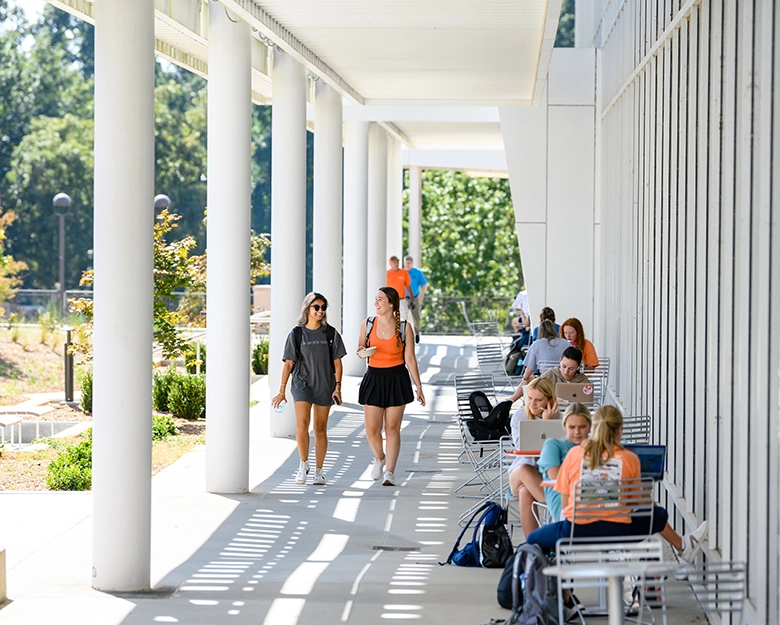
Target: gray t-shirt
545,349
312,377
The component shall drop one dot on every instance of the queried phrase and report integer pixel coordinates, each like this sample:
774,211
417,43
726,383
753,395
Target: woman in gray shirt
548,347
312,359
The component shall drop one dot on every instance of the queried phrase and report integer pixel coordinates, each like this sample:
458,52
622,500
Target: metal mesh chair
636,430
595,500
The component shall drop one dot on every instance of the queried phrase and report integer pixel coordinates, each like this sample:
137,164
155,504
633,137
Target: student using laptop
572,331
540,403
568,370
602,453
565,372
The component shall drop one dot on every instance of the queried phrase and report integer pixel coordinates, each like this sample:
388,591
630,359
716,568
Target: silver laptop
533,434
571,393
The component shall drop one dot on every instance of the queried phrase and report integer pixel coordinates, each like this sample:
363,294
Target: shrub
86,391
187,397
49,324
260,357
72,468
190,353
163,427
161,388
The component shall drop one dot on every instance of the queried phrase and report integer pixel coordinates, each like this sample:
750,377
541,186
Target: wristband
338,382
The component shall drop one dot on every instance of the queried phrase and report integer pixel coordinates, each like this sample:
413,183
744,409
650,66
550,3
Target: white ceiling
419,52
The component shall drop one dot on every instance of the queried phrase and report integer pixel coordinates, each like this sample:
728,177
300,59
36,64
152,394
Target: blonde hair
545,387
599,448
579,410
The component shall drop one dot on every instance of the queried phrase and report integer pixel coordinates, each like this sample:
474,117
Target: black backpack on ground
490,545
488,423
534,596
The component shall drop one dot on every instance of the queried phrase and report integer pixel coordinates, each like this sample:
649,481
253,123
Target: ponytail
604,436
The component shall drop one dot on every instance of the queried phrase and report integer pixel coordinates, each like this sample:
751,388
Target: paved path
352,551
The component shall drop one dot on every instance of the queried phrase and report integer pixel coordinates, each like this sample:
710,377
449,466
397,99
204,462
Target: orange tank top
389,352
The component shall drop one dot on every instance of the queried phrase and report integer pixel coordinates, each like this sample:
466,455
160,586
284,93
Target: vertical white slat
667,225
764,387
715,430
657,256
690,450
732,371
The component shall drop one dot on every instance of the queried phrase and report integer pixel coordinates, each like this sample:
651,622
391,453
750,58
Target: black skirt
386,386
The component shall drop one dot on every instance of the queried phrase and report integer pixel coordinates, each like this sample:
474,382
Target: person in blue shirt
415,298
576,424
547,314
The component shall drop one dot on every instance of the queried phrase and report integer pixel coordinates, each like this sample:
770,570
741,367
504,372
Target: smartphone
337,401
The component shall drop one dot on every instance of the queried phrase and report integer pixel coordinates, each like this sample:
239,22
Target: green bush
163,427
86,391
161,388
72,468
190,353
260,357
187,397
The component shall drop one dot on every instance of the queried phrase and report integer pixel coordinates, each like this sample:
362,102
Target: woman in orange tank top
386,389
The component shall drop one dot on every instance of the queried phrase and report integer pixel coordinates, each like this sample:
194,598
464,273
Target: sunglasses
317,307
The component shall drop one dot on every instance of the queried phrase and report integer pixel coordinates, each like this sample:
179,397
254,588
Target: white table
615,573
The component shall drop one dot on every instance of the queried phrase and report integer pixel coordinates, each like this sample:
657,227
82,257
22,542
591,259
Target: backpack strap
297,333
369,325
484,510
330,335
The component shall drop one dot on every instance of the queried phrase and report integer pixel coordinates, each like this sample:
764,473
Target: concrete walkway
352,551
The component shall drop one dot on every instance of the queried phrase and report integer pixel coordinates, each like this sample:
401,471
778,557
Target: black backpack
488,423
330,335
534,594
490,545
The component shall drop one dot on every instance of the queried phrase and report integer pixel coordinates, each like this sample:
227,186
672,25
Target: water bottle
281,406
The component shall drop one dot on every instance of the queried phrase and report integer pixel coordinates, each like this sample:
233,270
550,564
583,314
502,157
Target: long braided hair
395,302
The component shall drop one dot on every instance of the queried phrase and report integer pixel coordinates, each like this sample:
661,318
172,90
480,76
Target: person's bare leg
515,481
672,537
525,504
302,419
532,480
374,415
320,433
394,415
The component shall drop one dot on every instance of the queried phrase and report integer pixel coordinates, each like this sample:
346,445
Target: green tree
564,38
9,268
56,156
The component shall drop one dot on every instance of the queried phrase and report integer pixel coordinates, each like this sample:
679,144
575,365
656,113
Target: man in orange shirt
399,279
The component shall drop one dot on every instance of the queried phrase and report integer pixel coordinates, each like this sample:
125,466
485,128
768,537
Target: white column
376,258
288,220
227,291
395,187
355,242
326,268
124,218
415,215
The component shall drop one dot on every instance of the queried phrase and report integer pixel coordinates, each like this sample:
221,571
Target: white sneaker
377,468
319,478
692,543
389,479
303,471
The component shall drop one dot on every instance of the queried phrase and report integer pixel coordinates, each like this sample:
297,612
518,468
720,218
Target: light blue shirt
418,279
553,453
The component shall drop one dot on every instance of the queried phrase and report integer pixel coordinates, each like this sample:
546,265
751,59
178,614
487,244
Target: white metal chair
593,500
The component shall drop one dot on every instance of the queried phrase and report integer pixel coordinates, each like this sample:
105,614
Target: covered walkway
349,552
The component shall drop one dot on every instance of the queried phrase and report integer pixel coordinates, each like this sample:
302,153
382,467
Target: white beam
229,174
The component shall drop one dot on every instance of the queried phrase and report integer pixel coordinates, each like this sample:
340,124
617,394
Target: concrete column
355,243
395,187
415,215
376,258
327,198
124,219
227,291
288,220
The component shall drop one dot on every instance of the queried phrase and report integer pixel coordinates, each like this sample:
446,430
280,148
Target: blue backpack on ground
490,546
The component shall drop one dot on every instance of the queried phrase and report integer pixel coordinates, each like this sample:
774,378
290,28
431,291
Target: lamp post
161,202
61,205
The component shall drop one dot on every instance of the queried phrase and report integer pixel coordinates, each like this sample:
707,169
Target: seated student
568,371
548,347
540,403
572,331
576,425
546,314
602,453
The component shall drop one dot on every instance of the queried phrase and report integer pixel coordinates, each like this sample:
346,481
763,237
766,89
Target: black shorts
386,386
